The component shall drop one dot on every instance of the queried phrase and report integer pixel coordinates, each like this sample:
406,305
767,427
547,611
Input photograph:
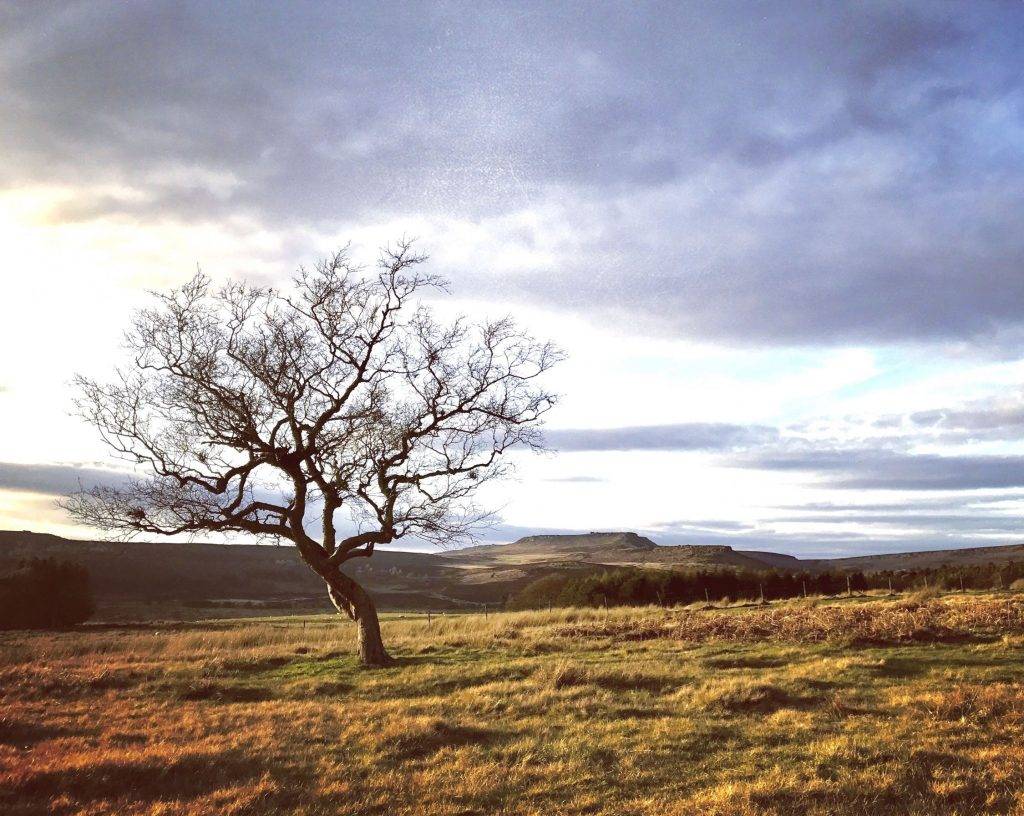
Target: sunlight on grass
906,706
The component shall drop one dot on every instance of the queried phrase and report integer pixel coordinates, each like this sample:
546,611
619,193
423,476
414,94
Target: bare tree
339,415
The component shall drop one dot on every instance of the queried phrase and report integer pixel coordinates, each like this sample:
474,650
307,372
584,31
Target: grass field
906,706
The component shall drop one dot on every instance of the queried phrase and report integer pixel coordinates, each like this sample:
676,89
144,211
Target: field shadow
224,692
184,778
242,667
744,662
423,742
924,637
437,656
624,682
328,688
17,734
901,668
635,713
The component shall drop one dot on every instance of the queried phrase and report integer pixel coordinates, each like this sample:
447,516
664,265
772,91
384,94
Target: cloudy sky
781,242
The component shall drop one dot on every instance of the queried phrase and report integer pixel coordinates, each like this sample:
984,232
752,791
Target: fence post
849,589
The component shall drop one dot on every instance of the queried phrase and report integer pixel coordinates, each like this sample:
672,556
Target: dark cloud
688,436
885,470
939,522
991,419
57,480
994,418
804,173
937,473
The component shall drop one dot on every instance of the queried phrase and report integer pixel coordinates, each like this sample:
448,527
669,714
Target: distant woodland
630,586
44,593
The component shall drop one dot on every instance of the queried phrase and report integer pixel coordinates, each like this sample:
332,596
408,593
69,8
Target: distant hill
146,579
926,559
615,549
607,547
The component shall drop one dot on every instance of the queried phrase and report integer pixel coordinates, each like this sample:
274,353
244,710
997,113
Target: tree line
44,593
631,586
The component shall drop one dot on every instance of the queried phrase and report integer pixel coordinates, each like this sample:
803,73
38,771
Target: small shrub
1018,585
973,703
924,595
562,675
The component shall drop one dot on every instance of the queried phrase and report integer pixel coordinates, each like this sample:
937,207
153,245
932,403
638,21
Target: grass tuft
967,702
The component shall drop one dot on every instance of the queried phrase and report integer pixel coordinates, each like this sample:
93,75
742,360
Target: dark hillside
929,559
151,577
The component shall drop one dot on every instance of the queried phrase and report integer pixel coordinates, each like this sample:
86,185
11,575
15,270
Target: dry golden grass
865,706
922,618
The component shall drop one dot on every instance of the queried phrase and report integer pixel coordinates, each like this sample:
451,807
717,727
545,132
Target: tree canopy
339,414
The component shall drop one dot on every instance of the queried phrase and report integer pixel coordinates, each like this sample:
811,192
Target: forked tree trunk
349,597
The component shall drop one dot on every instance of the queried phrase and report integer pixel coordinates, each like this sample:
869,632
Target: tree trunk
350,598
